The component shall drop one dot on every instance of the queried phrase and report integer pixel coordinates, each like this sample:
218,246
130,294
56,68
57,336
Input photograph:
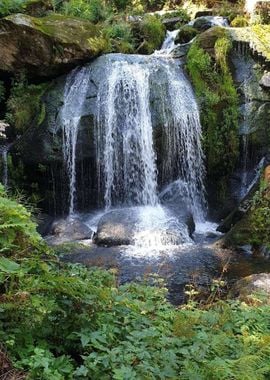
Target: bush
92,10
152,32
10,6
120,37
239,22
18,234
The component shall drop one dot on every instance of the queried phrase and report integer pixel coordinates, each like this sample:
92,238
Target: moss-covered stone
208,67
254,228
45,46
186,33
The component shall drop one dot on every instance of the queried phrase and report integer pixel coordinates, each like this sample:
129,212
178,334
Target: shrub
121,5
18,234
152,32
10,6
120,37
239,22
92,10
259,218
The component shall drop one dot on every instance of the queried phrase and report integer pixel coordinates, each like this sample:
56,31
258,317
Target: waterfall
125,154
183,155
4,153
74,96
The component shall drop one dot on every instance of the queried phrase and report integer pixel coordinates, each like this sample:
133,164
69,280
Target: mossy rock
208,39
186,34
46,46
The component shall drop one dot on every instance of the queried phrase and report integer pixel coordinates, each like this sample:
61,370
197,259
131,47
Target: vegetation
260,217
239,22
151,34
218,98
60,321
24,104
10,6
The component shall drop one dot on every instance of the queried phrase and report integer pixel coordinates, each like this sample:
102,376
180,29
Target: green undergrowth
24,105
60,322
260,217
18,236
218,99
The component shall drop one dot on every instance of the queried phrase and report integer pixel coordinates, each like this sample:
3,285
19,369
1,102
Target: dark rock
45,46
256,284
68,230
45,223
207,12
207,22
170,23
117,227
265,81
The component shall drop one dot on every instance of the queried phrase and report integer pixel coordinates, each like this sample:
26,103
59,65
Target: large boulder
117,227
68,230
45,46
253,286
206,22
143,225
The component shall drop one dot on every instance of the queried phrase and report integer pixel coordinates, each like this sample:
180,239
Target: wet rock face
254,111
265,81
45,46
256,284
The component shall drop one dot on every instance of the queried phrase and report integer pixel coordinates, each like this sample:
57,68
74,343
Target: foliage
18,234
120,37
24,104
10,6
60,321
218,99
92,10
259,217
239,22
181,13
150,34
69,322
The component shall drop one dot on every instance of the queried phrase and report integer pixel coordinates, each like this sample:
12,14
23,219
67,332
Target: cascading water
125,154
125,138
74,96
183,155
4,153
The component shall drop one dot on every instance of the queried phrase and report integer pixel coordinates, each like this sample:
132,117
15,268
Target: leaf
8,266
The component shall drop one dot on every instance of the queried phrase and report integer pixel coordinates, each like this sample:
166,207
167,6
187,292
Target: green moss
254,228
185,34
218,100
25,105
149,34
